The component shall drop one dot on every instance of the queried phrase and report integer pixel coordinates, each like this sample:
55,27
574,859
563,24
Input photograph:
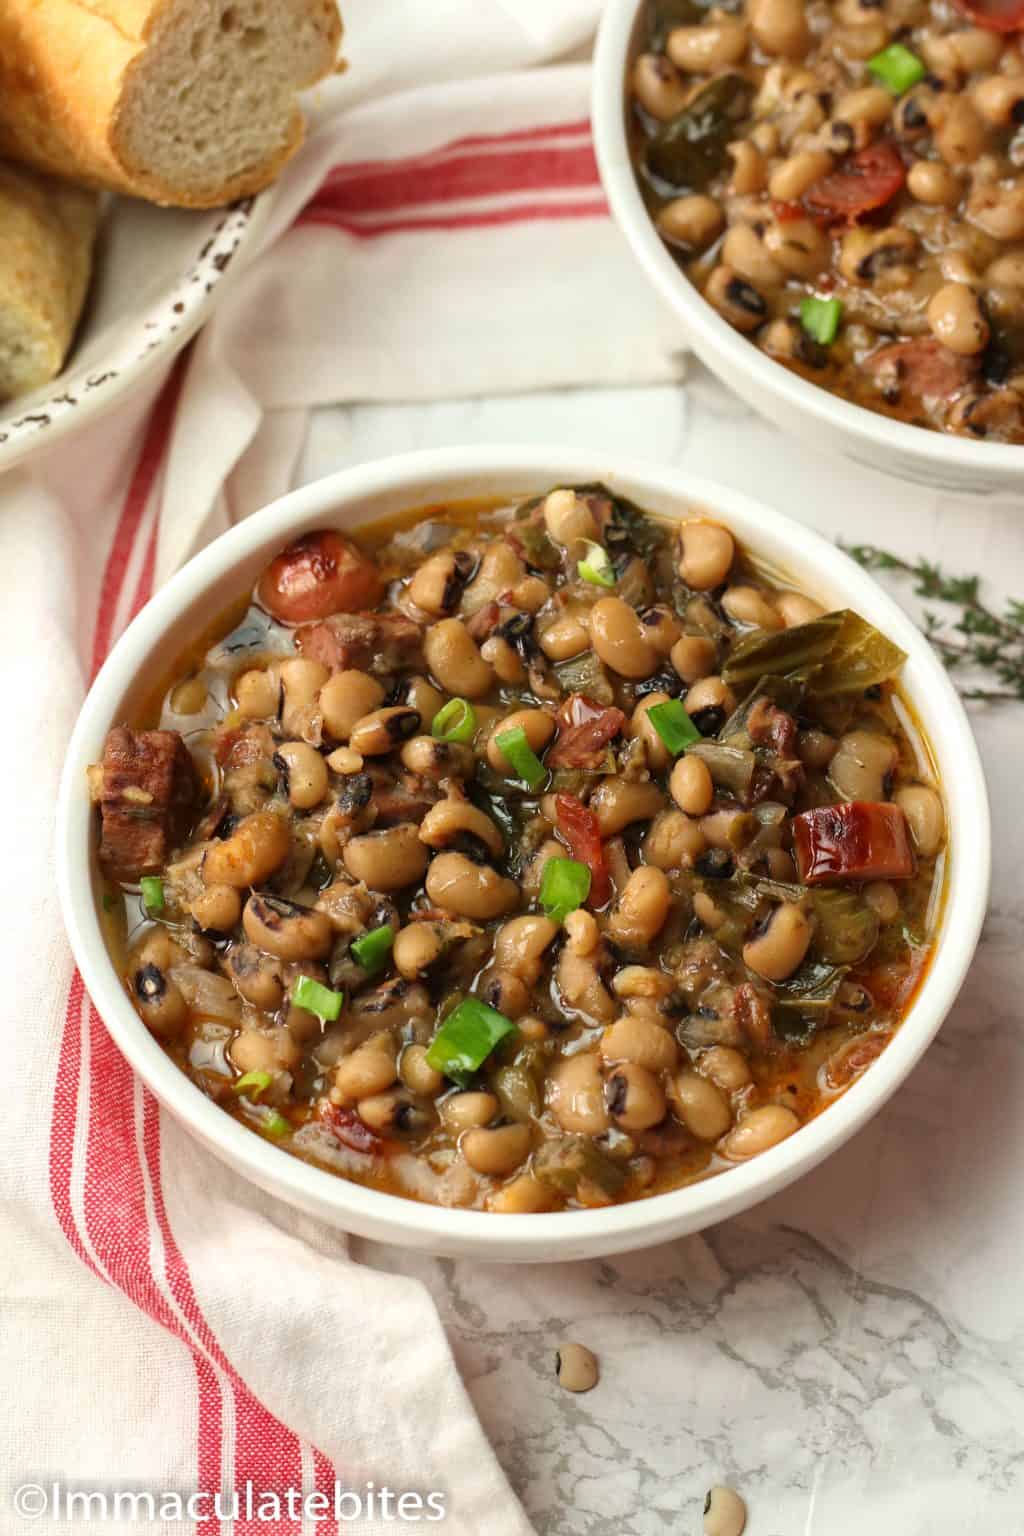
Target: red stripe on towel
527,213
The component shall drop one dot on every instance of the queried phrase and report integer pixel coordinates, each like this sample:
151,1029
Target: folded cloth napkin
165,1328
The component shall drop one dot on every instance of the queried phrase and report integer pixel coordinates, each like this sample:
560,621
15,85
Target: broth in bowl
524,857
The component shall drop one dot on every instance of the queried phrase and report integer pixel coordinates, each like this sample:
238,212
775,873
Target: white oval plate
158,273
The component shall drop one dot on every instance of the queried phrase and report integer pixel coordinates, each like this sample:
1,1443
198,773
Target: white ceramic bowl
158,274
202,591
803,408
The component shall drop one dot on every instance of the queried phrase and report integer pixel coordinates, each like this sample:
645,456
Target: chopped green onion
820,319
897,68
253,1084
673,725
275,1124
466,1039
320,1000
152,888
564,886
372,949
456,721
597,566
514,746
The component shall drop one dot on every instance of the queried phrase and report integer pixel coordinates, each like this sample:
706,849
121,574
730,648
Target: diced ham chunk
368,642
863,840
148,789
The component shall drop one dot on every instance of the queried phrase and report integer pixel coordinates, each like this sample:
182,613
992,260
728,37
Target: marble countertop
850,1355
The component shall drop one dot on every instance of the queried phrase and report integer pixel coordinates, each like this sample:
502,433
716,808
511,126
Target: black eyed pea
383,730
470,890
658,87
956,319
778,949
568,518
749,171
923,809
521,1196
780,27
706,553
933,183
692,222
691,786
862,765
642,909
637,1039
505,991
674,841
417,1074
264,1050
736,300
421,696
870,105
532,1027
257,694
710,693
564,638
370,1069
661,627
867,254
708,912
642,982
159,1001
455,661
575,1094
580,986
582,932
520,943
635,1098
258,846
285,929
700,1105
883,898
729,828
217,908
189,697
347,697
504,658
496,1149
576,1368
449,820
343,761
816,748
538,727
998,99
751,606
617,802
396,1113
744,251
712,46
801,249
530,594
301,680
304,773
789,181
758,1131
255,976
959,132
726,1067
464,1111
500,570
386,860
618,637
795,609
438,759
694,657
657,754
438,585
725,1513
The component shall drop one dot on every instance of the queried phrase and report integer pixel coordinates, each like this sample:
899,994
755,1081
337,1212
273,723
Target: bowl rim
608,116
501,469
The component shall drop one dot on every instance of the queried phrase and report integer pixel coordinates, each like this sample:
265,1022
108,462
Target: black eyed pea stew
526,857
842,180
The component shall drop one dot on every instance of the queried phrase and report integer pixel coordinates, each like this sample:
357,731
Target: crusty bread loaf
47,230
186,102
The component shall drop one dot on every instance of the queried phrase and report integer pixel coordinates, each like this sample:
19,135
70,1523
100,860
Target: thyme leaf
980,641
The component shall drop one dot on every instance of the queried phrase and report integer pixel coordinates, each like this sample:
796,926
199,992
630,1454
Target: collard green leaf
786,692
812,989
845,929
689,150
781,653
861,657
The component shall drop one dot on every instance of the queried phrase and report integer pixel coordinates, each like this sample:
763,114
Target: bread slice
184,102
47,229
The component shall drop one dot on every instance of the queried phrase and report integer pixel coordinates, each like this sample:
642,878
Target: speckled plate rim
81,392
357,495
883,442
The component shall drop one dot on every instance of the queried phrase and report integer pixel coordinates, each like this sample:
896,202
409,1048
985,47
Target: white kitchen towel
166,1330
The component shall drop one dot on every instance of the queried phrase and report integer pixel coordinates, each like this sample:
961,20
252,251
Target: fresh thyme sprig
980,640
